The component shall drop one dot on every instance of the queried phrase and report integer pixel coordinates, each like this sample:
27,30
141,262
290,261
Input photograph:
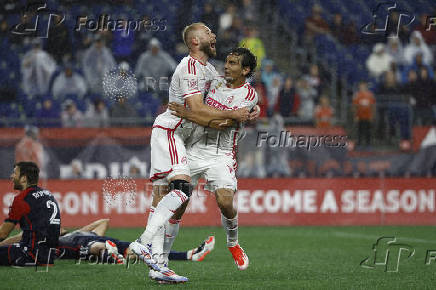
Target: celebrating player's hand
255,113
178,110
241,115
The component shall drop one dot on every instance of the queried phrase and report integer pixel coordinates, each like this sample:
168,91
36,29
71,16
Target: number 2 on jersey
53,219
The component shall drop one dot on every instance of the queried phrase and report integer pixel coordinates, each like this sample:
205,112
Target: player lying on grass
212,152
91,240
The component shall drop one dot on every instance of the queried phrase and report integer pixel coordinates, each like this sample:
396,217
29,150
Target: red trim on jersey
235,150
33,240
248,94
174,221
252,95
196,92
156,175
193,67
9,255
189,66
19,206
170,149
175,147
197,60
171,129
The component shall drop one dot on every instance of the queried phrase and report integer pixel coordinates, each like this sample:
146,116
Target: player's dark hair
30,170
248,59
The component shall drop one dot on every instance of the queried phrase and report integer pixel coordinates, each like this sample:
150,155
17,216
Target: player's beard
205,47
17,185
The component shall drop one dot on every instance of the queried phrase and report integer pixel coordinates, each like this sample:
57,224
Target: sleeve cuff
11,221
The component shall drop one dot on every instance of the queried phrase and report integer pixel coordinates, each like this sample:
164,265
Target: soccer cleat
144,253
204,249
112,250
166,276
241,259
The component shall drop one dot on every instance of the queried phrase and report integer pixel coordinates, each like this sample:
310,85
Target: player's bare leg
99,227
229,218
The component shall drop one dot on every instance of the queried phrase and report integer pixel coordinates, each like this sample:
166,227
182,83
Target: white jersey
190,77
212,142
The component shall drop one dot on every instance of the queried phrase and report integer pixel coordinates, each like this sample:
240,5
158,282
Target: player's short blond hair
188,32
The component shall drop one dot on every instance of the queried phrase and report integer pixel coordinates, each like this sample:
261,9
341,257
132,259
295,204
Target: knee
182,185
225,201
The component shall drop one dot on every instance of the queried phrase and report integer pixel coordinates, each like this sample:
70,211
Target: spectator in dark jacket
287,103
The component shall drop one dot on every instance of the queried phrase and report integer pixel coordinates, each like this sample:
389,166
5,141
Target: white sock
157,240
157,245
171,232
163,212
231,227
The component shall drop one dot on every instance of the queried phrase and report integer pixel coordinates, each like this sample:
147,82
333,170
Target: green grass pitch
280,258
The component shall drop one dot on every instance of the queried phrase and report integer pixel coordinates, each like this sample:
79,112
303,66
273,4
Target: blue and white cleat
144,253
166,276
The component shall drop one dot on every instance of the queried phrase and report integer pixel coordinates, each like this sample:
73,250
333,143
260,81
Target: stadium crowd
60,78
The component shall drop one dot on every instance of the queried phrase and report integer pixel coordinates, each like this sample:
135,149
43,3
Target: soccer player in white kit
169,164
212,152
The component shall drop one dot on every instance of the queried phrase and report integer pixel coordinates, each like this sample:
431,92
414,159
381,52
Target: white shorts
219,171
168,156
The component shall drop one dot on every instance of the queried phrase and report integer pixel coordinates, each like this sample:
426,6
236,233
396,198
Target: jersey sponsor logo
230,99
193,84
214,103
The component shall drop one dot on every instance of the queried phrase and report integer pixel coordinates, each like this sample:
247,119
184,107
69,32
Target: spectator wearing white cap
379,61
416,46
97,60
37,67
69,83
154,67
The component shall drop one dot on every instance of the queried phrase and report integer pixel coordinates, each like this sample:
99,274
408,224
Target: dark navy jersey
77,243
37,212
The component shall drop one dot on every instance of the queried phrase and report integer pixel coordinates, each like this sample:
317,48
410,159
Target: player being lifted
212,152
169,164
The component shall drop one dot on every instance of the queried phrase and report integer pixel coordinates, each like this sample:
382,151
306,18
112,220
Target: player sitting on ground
212,152
37,212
